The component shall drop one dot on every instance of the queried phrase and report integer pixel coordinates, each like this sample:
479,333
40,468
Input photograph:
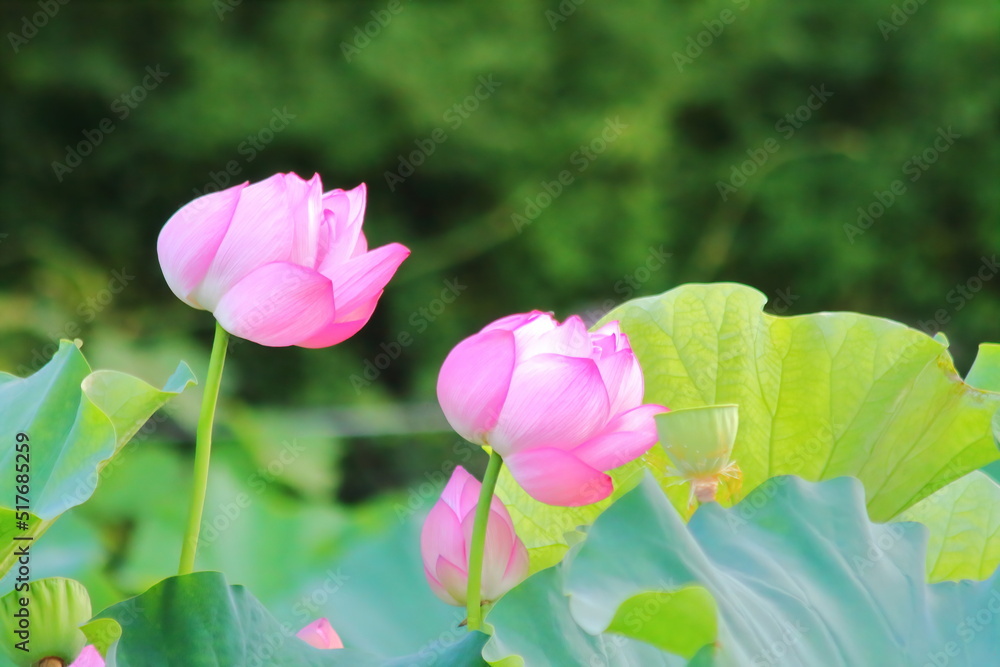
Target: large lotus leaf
74,422
548,531
798,573
361,569
820,396
198,620
985,371
533,626
964,522
464,651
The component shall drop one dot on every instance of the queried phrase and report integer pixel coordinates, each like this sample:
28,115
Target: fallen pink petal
320,634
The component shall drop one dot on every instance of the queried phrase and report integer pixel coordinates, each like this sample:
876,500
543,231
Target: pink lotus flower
445,539
558,403
89,657
320,634
278,262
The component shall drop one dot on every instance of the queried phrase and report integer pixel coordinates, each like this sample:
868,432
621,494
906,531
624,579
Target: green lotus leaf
985,371
964,522
198,620
59,428
794,574
819,396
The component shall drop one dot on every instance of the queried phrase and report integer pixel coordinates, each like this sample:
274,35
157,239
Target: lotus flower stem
473,602
203,448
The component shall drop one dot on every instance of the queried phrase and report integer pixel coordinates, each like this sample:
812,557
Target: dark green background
563,71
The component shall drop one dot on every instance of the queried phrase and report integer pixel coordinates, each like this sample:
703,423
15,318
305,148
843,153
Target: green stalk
472,594
203,448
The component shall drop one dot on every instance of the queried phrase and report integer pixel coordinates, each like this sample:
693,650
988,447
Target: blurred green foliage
510,97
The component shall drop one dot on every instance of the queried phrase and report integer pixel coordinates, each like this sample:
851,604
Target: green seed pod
699,441
45,619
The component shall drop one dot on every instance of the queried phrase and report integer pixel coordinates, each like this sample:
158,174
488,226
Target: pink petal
604,346
361,247
346,215
518,565
499,510
442,535
612,329
610,338
278,304
469,498
324,241
512,322
88,657
627,437
623,379
461,492
262,231
320,634
556,477
453,579
570,339
189,241
333,331
496,552
439,590
304,202
473,382
359,280
553,401
533,329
